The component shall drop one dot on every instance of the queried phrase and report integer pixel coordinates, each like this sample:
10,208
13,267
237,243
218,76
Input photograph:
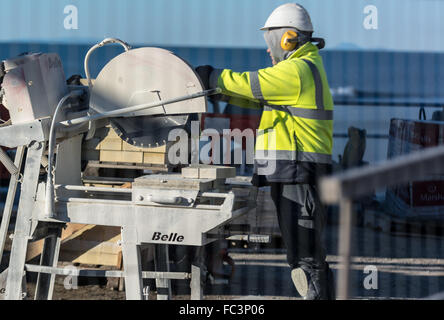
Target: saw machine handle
120,112
126,46
95,47
162,199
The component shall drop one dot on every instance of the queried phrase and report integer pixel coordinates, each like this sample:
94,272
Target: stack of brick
107,146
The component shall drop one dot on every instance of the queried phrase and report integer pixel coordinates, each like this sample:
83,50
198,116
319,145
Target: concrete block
111,144
121,156
172,181
208,172
190,173
129,147
154,158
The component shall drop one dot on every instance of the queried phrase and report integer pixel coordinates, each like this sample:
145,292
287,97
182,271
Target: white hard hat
290,15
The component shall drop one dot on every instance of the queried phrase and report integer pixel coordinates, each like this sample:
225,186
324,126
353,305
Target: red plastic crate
418,198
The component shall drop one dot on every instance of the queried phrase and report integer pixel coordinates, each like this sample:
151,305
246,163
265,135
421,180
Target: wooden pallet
131,166
96,245
85,244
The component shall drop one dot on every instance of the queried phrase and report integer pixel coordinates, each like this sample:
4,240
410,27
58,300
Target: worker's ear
289,40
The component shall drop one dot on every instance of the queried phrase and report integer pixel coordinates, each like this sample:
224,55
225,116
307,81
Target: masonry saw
142,76
144,94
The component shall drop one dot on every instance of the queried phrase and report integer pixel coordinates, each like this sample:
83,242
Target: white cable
99,45
5,123
127,47
118,112
49,203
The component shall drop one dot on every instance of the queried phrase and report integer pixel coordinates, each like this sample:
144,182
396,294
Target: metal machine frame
193,211
198,224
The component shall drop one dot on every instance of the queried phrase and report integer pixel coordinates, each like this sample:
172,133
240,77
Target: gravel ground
407,267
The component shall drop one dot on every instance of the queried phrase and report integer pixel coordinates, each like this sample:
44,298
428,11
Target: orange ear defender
289,40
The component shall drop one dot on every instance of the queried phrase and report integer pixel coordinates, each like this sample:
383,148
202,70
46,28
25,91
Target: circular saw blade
148,131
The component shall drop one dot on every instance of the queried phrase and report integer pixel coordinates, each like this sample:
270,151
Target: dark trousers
301,217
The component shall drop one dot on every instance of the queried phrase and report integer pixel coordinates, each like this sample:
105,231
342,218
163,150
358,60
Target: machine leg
9,203
345,247
132,264
23,223
162,264
49,257
197,271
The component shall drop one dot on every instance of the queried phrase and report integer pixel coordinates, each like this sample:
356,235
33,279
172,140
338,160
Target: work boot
312,284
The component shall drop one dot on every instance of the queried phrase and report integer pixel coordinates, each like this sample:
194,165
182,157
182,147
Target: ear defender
289,40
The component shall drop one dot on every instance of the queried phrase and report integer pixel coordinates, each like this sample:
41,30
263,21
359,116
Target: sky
401,25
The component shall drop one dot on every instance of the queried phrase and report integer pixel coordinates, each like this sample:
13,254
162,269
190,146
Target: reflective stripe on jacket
296,128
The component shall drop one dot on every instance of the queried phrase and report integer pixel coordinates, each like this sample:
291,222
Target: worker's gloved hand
204,73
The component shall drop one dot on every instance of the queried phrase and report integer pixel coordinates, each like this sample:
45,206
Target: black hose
320,42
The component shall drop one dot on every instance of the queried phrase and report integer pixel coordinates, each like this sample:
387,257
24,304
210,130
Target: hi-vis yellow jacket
296,128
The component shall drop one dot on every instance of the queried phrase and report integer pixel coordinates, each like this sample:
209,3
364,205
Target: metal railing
343,188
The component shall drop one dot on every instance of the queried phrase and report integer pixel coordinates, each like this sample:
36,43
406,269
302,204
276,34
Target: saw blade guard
142,76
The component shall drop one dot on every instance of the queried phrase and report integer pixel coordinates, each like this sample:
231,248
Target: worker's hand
204,73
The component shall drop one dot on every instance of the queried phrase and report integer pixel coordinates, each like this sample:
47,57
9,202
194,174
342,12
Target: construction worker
298,110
